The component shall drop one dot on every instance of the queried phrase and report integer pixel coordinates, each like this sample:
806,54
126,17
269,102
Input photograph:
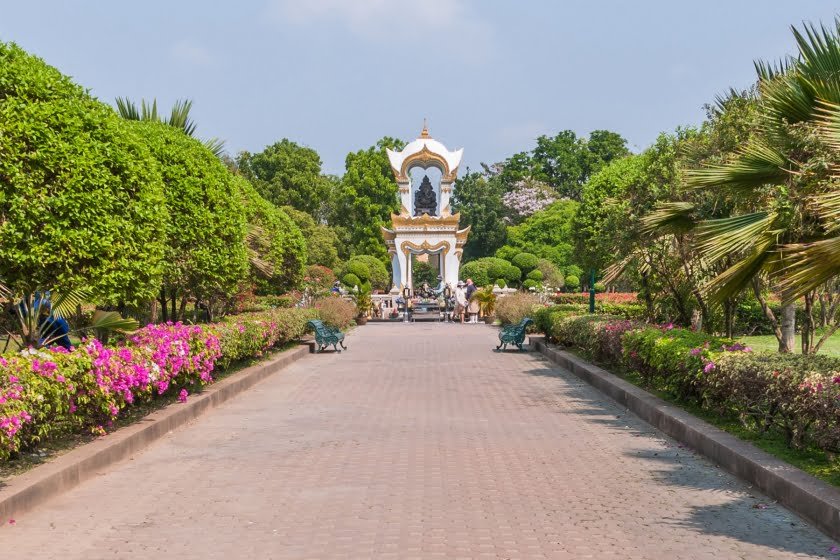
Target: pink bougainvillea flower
12,521
182,396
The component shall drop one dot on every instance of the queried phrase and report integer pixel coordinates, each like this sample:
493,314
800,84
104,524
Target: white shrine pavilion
425,224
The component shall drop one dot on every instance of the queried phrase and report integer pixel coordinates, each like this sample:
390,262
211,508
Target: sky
490,76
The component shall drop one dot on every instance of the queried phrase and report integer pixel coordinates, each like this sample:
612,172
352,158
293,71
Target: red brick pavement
418,442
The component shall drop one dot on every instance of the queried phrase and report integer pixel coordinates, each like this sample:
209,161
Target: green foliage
535,275
273,240
546,234
552,276
205,253
600,287
572,283
366,197
322,242
379,277
529,284
479,201
526,262
565,161
500,282
351,280
287,174
487,270
424,272
81,199
478,270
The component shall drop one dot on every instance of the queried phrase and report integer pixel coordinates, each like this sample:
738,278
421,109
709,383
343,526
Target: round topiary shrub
600,287
526,261
528,284
501,283
357,268
513,275
377,271
535,275
351,280
478,271
572,283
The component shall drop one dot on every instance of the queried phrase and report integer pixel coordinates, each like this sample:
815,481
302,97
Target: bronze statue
425,201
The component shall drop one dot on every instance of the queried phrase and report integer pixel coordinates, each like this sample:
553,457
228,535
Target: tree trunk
788,330
182,308
647,296
153,312
173,316
697,319
767,311
729,317
810,327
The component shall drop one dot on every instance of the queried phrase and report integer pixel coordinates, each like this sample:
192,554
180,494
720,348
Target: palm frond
64,303
737,277
819,53
829,121
668,218
127,109
725,236
754,166
180,116
812,265
112,321
215,145
149,112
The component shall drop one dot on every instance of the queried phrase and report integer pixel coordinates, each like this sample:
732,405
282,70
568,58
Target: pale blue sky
337,75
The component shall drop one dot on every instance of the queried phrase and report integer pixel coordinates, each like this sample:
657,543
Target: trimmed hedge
796,395
46,393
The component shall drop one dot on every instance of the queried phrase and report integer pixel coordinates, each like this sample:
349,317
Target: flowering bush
44,393
605,297
335,311
512,308
798,395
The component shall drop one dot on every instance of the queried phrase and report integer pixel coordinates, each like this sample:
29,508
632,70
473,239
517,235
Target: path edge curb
29,490
812,499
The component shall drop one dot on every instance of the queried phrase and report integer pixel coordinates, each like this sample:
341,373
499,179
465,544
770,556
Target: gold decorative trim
425,220
461,236
426,158
388,235
459,253
425,247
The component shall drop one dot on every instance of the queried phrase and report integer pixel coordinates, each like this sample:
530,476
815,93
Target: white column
396,272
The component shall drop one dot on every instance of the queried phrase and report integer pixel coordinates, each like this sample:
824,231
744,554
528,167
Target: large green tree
546,234
81,199
565,161
478,198
288,174
366,197
322,242
205,251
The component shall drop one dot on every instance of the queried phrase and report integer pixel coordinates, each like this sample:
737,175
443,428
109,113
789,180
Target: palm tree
179,117
780,182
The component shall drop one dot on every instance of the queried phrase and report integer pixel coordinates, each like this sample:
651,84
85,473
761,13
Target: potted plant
486,303
363,300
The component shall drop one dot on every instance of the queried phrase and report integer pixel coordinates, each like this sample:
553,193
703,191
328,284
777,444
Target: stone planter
361,321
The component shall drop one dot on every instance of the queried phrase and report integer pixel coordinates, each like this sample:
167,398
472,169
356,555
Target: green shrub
379,277
357,268
572,283
600,287
478,270
535,275
797,395
512,308
525,261
551,274
636,311
350,280
528,284
81,198
501,283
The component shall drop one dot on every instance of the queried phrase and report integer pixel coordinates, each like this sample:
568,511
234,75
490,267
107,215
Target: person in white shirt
460,301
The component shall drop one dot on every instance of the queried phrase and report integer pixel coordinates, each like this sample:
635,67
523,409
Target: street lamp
406,293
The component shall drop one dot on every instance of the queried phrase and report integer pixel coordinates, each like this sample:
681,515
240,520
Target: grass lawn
768,342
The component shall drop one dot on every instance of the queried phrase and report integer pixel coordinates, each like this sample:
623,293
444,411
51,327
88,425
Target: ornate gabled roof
425,150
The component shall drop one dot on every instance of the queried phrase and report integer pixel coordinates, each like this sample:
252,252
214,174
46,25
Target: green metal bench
326,336
513,334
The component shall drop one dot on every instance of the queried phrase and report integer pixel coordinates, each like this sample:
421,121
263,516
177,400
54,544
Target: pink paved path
419,442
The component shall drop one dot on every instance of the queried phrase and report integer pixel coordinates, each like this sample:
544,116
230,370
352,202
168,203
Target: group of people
464,299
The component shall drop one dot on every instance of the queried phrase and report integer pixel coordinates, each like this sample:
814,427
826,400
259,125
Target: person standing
460,301
470,289
472,306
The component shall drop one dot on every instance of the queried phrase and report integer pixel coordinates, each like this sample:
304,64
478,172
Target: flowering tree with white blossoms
527,197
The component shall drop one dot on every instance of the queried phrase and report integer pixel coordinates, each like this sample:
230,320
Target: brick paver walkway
416,443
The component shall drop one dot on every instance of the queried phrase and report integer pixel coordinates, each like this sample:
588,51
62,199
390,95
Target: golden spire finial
425,132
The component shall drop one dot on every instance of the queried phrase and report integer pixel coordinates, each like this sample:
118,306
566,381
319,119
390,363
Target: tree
547,234
277,247
777,180
564,161
288,174
366,198
322,242
81,198
205,252
479,201
377,272
179,117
